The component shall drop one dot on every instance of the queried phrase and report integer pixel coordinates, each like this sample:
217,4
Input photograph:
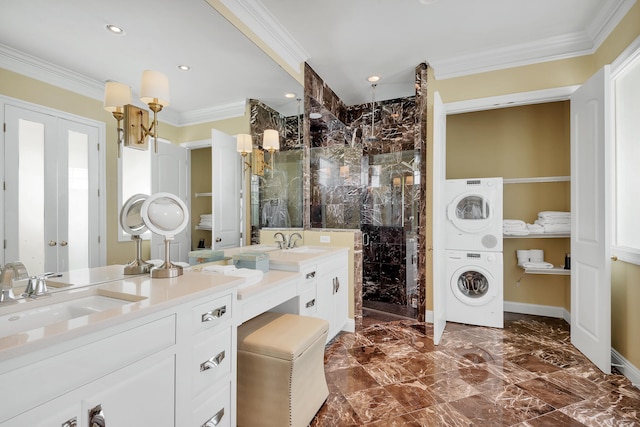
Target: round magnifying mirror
133,224
167,215
130,218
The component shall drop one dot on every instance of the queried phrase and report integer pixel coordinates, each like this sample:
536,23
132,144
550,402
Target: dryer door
473,285
471,212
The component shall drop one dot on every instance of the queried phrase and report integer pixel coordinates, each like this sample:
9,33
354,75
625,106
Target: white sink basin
306,250
35,314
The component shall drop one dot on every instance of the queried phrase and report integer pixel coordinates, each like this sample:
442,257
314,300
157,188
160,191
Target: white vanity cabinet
173,368
322,290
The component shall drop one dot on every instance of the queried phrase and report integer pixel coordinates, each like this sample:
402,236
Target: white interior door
226,174
440,282
170,174
52,212
591,192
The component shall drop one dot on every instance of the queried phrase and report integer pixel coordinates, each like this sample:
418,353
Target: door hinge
4,127
98,239
98,192
4,243
98,147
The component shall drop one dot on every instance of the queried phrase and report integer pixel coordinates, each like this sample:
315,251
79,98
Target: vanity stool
281,378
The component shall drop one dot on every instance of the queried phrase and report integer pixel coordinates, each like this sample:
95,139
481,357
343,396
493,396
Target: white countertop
144,295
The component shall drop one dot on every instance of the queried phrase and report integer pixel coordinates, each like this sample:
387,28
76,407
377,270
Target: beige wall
546,75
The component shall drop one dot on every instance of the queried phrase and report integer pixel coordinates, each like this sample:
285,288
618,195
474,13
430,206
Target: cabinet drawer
212,354
217,407
69,370
212,313
308,302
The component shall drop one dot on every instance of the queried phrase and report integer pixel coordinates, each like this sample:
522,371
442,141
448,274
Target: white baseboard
626,368
349,326
538,310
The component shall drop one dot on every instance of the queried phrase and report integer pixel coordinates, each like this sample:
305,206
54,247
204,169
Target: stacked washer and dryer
473,242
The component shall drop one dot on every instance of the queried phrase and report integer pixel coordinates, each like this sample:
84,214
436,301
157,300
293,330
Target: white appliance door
590,201
439,218
226,174
170,174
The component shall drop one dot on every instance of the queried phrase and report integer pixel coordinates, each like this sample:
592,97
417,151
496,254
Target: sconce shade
116,96
271,140
244,143
154,88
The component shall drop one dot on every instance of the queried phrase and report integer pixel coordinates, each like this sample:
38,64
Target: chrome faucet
292,242
37,286
10,272
281,243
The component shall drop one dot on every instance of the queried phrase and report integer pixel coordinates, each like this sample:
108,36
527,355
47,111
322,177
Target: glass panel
31,195
78,212
472,207
473,284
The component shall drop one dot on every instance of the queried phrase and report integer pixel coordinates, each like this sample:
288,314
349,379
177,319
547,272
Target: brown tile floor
527,374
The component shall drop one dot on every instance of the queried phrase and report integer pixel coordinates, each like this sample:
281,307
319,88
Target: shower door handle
365,239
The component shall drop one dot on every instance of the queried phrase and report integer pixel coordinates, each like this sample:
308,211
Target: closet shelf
201,227
203,194
539,236
559,271
535,180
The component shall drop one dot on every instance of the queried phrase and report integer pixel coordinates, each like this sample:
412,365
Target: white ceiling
65,43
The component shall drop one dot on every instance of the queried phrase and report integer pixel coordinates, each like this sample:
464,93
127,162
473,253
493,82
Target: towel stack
206,221
514,227
554,221
532,258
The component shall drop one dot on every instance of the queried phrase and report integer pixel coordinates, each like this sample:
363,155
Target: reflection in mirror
132,223
276,196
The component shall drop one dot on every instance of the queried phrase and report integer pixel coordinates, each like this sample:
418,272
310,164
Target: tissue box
204,255
253,260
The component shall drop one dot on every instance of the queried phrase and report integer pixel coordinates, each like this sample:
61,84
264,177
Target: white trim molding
625,367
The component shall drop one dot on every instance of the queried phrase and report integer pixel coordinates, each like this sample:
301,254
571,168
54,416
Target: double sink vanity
104,348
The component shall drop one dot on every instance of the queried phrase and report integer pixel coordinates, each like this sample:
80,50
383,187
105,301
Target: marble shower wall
369,179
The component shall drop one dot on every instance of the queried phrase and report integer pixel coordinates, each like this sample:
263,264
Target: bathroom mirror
167,215
132,223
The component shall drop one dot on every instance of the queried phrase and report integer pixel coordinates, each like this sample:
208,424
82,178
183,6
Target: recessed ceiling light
184,67
315,116
115,29
373,78
290,95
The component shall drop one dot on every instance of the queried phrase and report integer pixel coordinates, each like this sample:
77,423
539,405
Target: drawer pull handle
311,303
214,314
311,275
96,417
215,420
73,422
336,285
213,362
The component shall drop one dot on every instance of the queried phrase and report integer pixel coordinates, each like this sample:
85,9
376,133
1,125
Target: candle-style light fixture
244,146
271,143
154,92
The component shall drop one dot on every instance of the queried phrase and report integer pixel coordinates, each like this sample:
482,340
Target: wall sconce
271,143
116,96
154,92
244,146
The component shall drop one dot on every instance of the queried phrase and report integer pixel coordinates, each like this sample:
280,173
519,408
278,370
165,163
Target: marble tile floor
527,374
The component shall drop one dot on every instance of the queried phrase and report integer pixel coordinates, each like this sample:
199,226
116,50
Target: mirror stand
137,266
167,269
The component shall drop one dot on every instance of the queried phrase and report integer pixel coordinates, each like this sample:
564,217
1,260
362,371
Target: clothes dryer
474,214
475,290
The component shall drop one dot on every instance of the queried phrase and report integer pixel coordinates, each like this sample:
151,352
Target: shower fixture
373,137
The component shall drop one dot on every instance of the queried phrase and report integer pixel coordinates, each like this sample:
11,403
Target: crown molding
35,68
259,20
550,49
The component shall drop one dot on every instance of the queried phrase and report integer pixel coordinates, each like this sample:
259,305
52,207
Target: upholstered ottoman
281,378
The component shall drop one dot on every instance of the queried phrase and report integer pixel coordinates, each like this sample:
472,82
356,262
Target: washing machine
474,214
475,289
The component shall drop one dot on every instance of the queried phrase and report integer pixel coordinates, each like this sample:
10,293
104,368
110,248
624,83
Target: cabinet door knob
614,258
52,243
96,417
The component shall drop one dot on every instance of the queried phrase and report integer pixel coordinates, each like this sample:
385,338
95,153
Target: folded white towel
523,232
513,222
537,265
535,228
219,268
554,214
